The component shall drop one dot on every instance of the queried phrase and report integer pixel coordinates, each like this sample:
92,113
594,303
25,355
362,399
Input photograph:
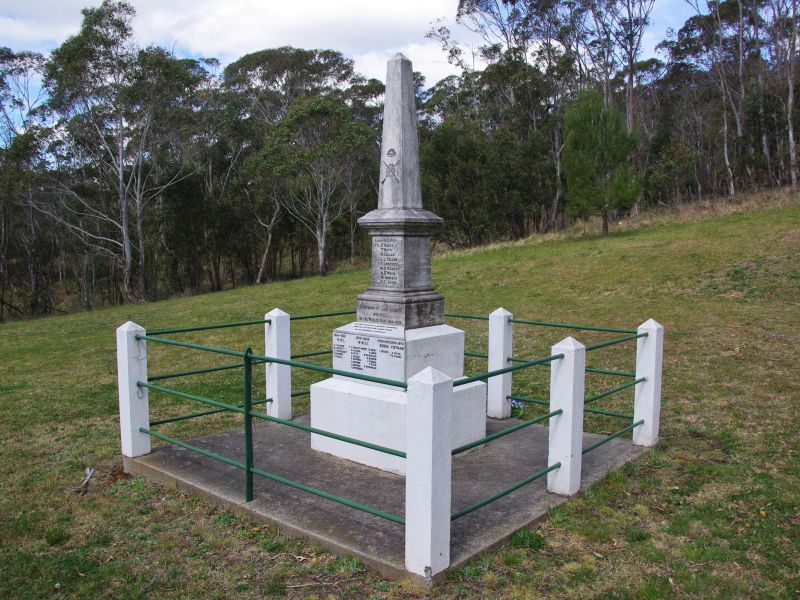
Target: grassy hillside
712,512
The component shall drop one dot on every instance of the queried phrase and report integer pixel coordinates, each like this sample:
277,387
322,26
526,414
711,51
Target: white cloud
366,30
369,31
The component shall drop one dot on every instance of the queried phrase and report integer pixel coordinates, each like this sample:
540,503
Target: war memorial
402,459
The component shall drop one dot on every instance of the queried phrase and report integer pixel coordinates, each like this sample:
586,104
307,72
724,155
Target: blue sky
369,31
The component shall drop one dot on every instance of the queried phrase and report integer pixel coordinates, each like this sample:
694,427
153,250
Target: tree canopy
128,173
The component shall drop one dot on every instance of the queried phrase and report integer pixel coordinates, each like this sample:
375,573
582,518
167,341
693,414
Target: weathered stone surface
400,185
400,291
424,309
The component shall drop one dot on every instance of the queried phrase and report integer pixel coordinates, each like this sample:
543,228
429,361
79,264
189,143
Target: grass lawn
712,512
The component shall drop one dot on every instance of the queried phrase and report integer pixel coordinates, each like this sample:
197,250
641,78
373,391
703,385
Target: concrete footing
377,542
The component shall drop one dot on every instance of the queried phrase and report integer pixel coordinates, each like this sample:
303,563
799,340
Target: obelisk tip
400,56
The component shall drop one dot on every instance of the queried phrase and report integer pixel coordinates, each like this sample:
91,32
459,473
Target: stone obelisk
400,292
400,329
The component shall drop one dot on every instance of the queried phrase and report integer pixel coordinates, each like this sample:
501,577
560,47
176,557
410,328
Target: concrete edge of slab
137,466
235,502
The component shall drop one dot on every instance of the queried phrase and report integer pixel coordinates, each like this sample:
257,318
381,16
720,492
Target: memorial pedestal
376,413
400,329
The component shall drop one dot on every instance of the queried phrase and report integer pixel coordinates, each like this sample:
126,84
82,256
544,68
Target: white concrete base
377,414
440,347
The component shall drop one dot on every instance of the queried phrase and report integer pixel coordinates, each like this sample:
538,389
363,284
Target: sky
368,31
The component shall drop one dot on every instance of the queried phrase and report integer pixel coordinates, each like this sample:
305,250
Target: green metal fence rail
276,478
244,411
201,414
595,411
525,365
607,413
545,324
191,346
616,434
505,432
628,338
310,354
247,401
187,396
460,316
272,359
339,499
335,436
194,372
608,372
322,315
489,499
529,400
248,359
207,327
572,326
614,390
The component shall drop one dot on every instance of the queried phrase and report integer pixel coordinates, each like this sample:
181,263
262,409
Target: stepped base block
391,352
404,309
377,415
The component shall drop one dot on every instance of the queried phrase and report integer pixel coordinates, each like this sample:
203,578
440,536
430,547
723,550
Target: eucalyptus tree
309,151
271,80
699,45
86,78
22,166
783,33
630,18
108,97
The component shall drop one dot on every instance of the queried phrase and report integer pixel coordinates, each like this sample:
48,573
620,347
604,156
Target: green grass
712,512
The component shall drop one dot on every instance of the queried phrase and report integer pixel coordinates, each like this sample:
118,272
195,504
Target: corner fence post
134,411
647,395
247,397
428,473
567,379
501,331
277,343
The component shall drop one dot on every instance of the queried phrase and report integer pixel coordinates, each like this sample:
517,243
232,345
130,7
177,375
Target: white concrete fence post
567,381
428,472
277,344
501,335
134,410
647,397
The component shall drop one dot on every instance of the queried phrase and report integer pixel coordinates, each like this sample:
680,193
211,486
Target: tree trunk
140,245
629,95
790,98
33,272
731,186
559,146
263,265
3,261
604,214
320,236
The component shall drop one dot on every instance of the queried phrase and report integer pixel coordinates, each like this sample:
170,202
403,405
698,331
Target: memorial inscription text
370,349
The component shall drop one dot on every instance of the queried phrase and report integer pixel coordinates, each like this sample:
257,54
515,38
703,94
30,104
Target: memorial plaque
388,262
370,349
